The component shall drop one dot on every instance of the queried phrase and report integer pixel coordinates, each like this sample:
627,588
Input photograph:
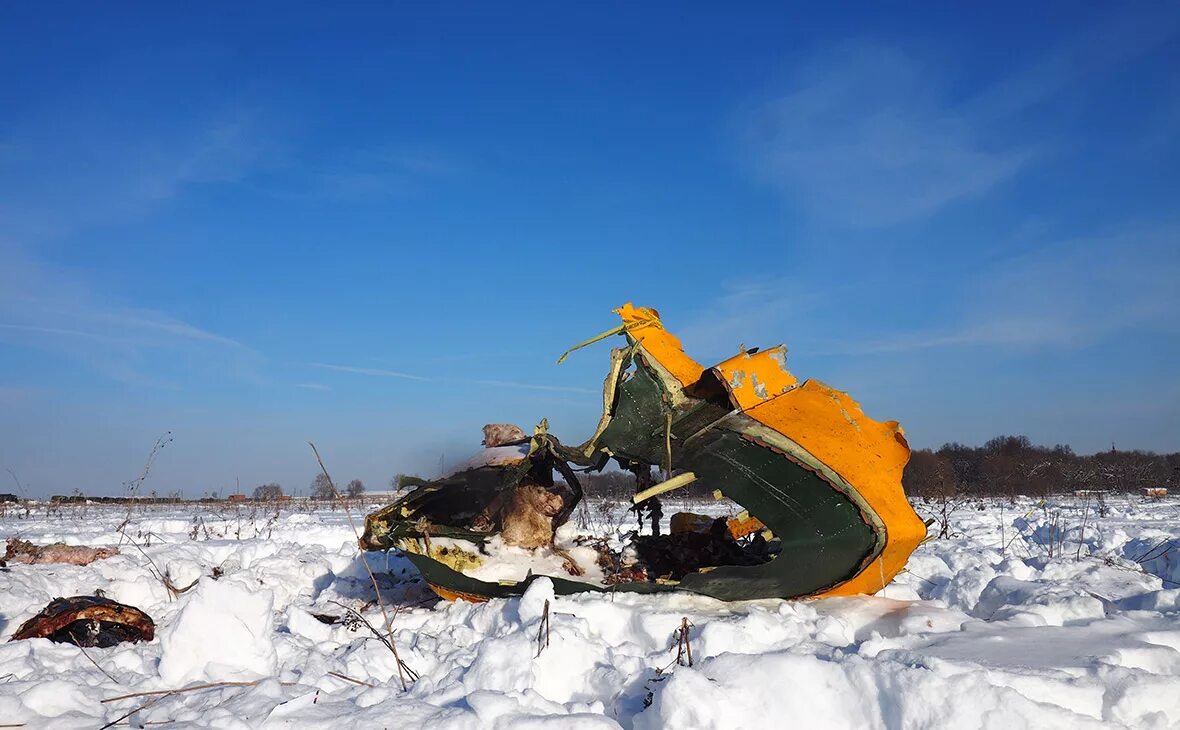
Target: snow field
1019,619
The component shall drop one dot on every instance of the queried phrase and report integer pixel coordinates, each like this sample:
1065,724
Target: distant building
8,498
388,495
1154,492
237,498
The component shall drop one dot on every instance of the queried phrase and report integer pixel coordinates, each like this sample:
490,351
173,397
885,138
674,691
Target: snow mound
223,632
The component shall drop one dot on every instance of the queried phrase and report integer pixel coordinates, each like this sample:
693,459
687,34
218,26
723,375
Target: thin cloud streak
1066,294
378,372
869,136
165,325
867,140
65,332
530,386
783,307
174,328
1119,39
45,308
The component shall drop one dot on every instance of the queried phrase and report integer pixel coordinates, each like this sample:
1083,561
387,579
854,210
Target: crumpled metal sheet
820,481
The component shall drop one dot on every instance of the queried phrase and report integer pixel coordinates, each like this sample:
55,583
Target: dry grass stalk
543,630
96,664
134,485
401,666
386,639
193,688
347,678
1082,536
683,647
126,715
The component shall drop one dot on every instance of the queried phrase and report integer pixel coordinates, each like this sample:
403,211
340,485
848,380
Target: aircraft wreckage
818,483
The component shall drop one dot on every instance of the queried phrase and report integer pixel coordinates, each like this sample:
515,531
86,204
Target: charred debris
88,621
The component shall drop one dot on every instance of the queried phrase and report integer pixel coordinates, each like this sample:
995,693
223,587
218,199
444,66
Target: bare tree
355,488
268,492
321,488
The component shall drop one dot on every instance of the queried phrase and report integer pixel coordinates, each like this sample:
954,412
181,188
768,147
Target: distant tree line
1013,465
1004,466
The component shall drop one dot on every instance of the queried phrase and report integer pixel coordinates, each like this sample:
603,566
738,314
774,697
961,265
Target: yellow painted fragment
690,522
754,378
743,525
643,325
655,490
448,594
738,527
869,455
455,558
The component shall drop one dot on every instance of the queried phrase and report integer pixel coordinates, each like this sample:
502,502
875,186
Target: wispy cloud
45,308
94,168
530,386
378,372
360,175
1065,294
865,139
1123,35
87,158
64,333
116,327
869,136
753,312
1055,293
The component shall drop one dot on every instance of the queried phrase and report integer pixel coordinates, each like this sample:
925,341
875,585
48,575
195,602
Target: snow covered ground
1019,618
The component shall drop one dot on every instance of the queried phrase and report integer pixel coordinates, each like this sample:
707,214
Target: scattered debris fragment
819,481
88,621
502,434
22,551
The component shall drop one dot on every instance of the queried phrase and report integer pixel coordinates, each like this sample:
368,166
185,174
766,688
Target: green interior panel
823,538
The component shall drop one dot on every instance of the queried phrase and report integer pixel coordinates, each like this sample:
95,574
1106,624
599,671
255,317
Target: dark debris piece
89,621
676,555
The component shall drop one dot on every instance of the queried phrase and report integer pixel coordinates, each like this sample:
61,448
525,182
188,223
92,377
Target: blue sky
376,226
